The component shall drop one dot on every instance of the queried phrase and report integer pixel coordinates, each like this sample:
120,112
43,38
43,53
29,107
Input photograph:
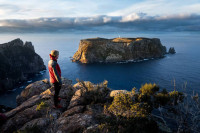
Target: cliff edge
95,108
118,49
18,61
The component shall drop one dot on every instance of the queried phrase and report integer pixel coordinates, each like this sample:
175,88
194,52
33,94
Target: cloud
8,9
32,9
160,7
133,17
103,23
79,15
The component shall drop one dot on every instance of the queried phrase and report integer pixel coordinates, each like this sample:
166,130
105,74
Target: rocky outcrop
33,89
87,108
18,61
37,114
38,109
171,50
118,49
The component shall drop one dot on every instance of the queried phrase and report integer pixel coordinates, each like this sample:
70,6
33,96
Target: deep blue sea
182,67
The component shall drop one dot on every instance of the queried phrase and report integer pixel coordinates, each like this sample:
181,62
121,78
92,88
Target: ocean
181,69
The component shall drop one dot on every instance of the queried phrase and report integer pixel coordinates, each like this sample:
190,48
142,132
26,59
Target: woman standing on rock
55,76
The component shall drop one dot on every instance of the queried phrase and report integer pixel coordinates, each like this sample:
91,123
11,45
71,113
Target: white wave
29,81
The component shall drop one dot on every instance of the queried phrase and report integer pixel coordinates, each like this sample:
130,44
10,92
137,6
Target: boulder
74,110
79,119
28,103
67,90
36,125
75,123
33,89
77,99
18,62
36,111
114,93
118,49
17,121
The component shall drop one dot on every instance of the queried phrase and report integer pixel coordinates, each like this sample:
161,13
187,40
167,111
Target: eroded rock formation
18,61
118,49
171,50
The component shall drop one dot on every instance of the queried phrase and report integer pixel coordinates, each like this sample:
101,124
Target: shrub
162,98
130,112
123,125
133,91
121,104
141,110
176,96
149,89
185,114
94,93
41,105
124,106
144,98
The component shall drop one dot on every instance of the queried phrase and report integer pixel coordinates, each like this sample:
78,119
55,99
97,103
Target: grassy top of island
117,40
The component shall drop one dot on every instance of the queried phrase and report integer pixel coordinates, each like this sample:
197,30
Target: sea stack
18,62
171,50
118,50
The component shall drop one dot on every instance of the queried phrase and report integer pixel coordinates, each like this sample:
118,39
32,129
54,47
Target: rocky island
95,108
18,61
118,49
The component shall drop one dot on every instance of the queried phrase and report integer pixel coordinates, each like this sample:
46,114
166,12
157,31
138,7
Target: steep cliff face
18,60
118,49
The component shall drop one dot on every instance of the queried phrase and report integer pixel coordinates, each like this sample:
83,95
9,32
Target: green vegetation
162,98
41,105
131,112
176,96
94,93
149,89
146,110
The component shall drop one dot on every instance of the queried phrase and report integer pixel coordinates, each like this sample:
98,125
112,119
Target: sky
32,15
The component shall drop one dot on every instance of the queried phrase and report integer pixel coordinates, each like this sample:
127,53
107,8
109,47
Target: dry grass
125,40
